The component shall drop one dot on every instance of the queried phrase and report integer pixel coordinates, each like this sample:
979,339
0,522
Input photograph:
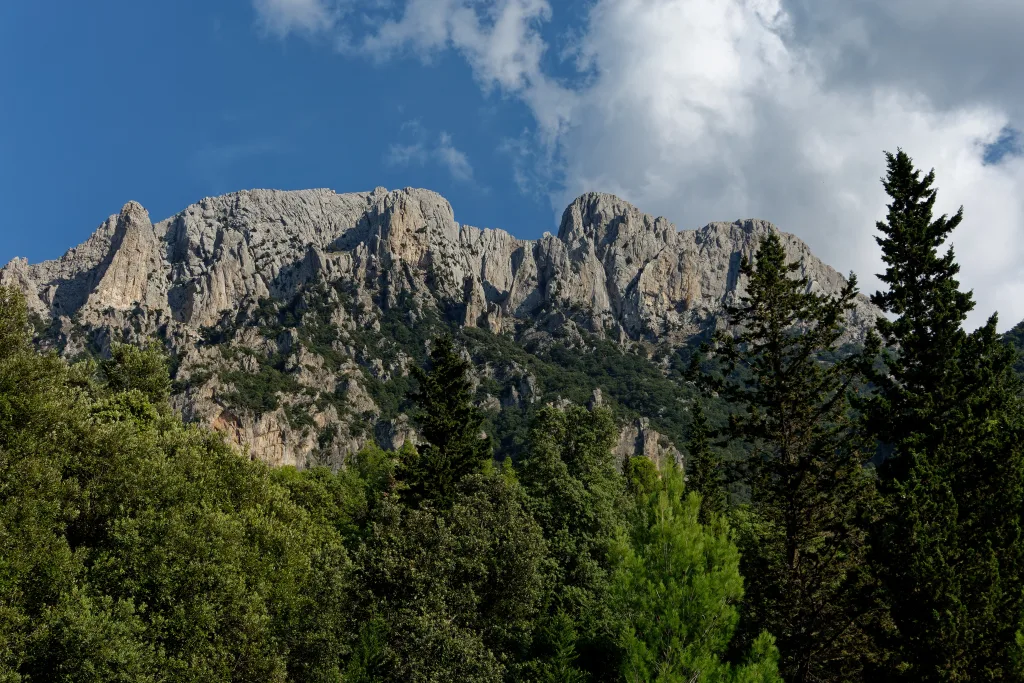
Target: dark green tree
578,496
449,594
803,541
450,425
558,664
947,406
924,339
1015,339
704,468
142,369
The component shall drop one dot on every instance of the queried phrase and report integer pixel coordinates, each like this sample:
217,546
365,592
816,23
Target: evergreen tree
451,426
558,665
677,588
578,497
803,542
704,468
924,341
947,405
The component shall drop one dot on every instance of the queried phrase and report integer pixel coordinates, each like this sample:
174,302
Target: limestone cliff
220,281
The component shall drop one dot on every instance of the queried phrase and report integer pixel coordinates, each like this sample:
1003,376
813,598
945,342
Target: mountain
292,318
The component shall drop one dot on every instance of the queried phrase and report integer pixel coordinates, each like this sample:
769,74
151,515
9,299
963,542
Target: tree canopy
866,525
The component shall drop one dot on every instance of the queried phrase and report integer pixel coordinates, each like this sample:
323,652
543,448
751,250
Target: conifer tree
947,406
803,542
559,666
677,588
704,468
451,426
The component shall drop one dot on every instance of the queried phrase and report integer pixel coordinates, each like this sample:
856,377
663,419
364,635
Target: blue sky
698,110
166,103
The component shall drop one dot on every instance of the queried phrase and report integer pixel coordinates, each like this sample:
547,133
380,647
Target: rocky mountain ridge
293,316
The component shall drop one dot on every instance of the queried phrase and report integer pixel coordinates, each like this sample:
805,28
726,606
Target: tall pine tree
803,543
704,468
451,426
947,407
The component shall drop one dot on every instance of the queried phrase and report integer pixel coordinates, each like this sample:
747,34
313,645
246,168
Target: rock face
611,271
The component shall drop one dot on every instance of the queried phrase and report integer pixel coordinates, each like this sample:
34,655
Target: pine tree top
450,425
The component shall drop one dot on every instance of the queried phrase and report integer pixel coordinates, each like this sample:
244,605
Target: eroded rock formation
611,271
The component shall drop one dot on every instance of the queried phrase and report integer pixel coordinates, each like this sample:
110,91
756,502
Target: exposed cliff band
611,270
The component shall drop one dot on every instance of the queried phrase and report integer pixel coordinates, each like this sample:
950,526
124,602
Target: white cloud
282,17
404,155
705,110
453,159
418,153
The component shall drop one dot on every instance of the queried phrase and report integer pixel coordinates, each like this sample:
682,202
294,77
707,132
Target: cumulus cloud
716,110
705,110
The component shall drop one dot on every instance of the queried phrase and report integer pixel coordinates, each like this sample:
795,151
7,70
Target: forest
871,532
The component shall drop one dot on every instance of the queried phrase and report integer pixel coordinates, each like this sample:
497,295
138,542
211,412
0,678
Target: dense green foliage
578,497
803,536
454,446
948,405
134,547
1015,339
704,468
871,529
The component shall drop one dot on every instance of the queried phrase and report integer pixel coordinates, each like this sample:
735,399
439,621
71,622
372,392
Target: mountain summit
266,298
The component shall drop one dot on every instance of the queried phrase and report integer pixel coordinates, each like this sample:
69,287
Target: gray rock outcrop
611,270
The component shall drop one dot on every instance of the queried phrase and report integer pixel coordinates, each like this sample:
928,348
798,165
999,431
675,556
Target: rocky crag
293,317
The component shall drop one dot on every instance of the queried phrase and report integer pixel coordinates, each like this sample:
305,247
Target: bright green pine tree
677,587
704,468
450,425
947,405
803,542
641,475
